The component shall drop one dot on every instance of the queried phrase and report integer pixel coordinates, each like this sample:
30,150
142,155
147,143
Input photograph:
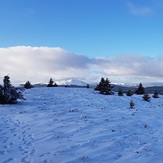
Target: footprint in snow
3,152
32,152
9,160
25,160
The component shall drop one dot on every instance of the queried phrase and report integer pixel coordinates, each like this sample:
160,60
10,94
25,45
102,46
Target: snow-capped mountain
72,82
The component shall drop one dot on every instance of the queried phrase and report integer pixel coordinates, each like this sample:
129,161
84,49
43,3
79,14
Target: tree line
105,87
10,95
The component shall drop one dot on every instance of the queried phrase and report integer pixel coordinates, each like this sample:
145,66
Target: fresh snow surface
73,125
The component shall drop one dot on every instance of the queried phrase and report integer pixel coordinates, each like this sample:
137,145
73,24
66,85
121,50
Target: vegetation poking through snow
155,95
52,83
132,104
8,93
28,85
129,93
88,86
120,92
104,87
140,90
146,97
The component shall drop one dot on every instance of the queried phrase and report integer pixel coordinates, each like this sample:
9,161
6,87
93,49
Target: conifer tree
100,85
104,87
132,104
155,95
51,83
129,93
146,97
8,93
87,86
140,90
28,85
120,92
55,85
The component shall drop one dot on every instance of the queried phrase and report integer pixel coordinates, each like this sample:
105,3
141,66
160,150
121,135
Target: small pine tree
129,93
1,94
51,83
8,93
28,85
100,85
140,90
55,85
155,95
132,104
104,87
146,97
108,87
120,92
87,86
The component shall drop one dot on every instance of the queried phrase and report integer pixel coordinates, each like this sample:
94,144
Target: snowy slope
58,125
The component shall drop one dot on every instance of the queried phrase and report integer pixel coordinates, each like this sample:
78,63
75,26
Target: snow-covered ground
58,125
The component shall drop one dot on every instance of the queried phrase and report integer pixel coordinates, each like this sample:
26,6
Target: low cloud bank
38,64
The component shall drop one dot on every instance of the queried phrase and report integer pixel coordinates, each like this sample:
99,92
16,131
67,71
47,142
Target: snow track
16,139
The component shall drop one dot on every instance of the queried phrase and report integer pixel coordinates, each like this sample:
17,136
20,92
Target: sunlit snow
71,125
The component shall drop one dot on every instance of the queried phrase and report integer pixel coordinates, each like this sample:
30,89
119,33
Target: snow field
58,125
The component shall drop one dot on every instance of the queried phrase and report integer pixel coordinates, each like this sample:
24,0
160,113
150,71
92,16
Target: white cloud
132,68
38,64
139,10
138,65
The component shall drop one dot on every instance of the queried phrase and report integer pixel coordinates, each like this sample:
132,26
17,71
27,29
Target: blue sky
88,27
83,39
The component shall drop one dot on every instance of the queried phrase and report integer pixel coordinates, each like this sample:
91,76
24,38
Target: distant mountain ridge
117,86
72,82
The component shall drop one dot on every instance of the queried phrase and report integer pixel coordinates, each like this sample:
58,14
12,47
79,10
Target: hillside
150,89
79,125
